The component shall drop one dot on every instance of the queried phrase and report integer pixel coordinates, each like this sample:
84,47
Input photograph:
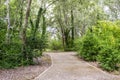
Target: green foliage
38,40
2,30
101,43
39,43
77,44
10,55
89,49
36,53
55,45
109,58
110,44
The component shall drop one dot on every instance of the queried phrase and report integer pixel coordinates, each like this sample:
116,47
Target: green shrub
77,44
109,42
37,43
102,43
89,49
10,55
56,45
109,58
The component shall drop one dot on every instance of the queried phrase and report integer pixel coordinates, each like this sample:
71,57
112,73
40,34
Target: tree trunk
21,13
8,21
72,24
25,28
61,27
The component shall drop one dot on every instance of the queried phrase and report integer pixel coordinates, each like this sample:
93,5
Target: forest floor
66,66
28,72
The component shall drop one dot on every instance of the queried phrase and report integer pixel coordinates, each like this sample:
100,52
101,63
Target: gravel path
68,67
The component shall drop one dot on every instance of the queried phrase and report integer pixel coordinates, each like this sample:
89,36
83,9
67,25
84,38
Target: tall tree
25,28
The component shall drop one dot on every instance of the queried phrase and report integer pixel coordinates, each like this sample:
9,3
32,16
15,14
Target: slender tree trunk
72,24
21,13
25,28
62,32
44,26
8,21
61,27
65,27
63,37
40,12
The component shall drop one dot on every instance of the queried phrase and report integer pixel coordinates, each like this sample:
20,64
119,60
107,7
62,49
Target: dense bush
37,43
110,44
109,58
89,49
10,55
102,43
2,30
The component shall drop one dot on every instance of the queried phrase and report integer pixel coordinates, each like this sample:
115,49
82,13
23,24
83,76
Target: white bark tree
8,36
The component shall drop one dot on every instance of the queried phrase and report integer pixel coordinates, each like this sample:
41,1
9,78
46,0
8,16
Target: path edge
100,70
37,78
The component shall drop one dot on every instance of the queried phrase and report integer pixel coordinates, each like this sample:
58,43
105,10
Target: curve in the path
68,67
